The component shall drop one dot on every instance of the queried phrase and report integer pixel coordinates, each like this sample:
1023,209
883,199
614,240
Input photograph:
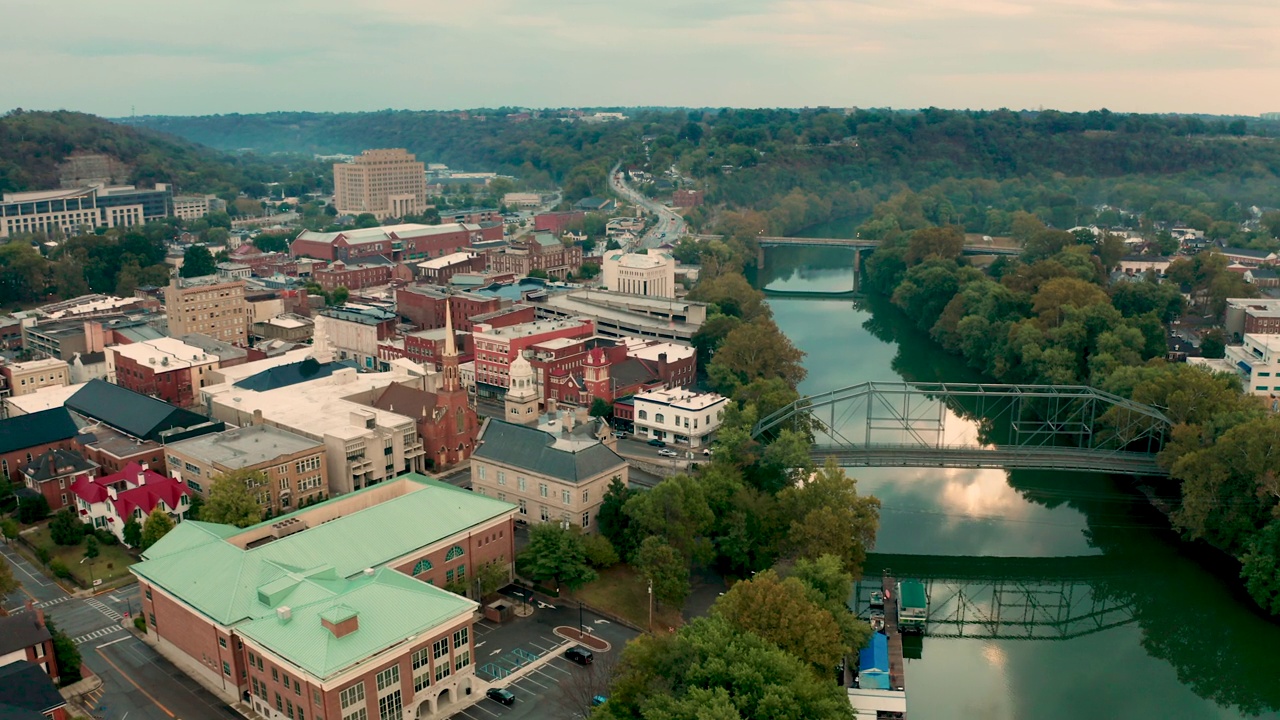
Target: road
137,682
669,227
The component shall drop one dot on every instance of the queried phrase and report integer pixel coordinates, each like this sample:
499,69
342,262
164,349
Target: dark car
657,443
580,655
501,695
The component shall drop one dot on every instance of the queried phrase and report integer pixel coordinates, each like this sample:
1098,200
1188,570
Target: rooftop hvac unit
285,528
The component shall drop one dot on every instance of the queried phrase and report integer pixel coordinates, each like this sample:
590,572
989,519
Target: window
659,417
480,471
542,489
585,494
259,663
389,678
226,668
440,648
389,707
222,641
521,483
301,716
642,415
288,704
279,703
502,478
442,670
275,675
545,515
524,507
352,695
502,496
565,497
462,573
586,519
421,670
284,680
448,576
315,695
421,566
253,683
461,639
148,593
454,553
284,483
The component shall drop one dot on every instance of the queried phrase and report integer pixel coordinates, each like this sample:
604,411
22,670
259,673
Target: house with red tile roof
111,501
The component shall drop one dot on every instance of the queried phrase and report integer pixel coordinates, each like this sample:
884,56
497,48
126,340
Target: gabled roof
147,497
138,415
389,608
56,463
406,400
40,428
532,449
21,631
27,692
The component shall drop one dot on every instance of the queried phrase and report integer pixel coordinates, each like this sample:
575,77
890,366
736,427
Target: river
1137,625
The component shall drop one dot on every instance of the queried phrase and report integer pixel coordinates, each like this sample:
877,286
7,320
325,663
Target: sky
183,58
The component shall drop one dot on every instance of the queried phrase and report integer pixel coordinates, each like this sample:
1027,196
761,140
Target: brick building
353,276
53,472
385,182
166,368
495,348
686,198
577,371
398,242
293,466
25,437
1252,316
439,271
473,216
28,377
541,251
557,222
290,615
28,693
210,306
24,636
423,306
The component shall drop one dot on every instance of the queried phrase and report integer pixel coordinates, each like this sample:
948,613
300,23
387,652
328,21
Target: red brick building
353,276
575,372
165,368
25,437
686,198
24,636
473,216
406,635
397,242
423,306
541,251
53,472
495,348
557,222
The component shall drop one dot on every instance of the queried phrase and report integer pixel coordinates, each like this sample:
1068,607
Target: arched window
454,553
659,418
644,415
422,566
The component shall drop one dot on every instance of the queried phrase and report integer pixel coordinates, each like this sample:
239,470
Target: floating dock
868,696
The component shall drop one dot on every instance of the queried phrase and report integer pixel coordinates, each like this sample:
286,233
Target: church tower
595,376
456,425
449,361
522,395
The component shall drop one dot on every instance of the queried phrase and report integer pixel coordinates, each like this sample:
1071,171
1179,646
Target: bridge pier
857,269
759,257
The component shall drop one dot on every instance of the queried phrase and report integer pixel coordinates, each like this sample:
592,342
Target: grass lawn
623,591
112,563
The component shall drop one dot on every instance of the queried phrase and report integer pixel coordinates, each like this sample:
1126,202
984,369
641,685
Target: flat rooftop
42,399
246,446
537,327
447,260
682,399
649,350
165,353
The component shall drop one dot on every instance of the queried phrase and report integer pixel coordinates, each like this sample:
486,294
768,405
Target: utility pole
651,606
581,628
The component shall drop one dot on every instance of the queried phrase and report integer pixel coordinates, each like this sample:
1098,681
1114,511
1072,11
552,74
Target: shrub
106,537
43,554
140,623
59,569
600,552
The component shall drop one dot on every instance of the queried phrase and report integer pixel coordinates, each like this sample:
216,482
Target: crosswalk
96,605
97,634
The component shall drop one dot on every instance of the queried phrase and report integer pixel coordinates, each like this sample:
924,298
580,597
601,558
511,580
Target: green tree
754,350
33,509
711,670
1261,567
65,654
90,547
829,517
600,552
157,525
66,528
339,296
231,499
492,577
539,273
366,220
9,528
271,243
8,583
601,408
1214,344
197,261
940,242
782,612
133,534
557,554
588,271
675,510
612,519
665,569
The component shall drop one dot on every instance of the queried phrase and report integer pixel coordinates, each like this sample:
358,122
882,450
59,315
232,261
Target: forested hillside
32,144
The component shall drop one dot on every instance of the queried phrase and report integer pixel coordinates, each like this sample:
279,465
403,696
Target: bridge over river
978,425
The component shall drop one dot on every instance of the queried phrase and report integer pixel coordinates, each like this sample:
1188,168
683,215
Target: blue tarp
873,663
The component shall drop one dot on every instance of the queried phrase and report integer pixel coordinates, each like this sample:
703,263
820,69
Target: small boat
877,620
877,599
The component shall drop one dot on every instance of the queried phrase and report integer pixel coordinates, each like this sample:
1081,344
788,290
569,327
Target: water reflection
1195,647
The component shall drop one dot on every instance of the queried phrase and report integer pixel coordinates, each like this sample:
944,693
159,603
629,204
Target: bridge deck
1013,458
860,244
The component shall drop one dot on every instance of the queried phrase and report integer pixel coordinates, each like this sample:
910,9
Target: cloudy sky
165,57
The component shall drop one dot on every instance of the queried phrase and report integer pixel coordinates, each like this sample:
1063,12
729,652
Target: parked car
502,695
579,655
668,453
657,443
619,433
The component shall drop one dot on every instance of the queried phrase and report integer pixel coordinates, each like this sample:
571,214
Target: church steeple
449,361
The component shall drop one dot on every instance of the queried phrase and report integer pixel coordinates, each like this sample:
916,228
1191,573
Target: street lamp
651,606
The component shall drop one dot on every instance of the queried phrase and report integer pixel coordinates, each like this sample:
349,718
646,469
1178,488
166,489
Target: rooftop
547,449
229,575
224,350
54,396
36,365
27,692
20,631
165,354
55,463
364,316
280,376
245,447
637,261
681,399
649,350
38,428
446,261
383,233
537,327
138,415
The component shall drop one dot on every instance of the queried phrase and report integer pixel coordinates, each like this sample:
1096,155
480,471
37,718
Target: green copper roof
196,562
390,608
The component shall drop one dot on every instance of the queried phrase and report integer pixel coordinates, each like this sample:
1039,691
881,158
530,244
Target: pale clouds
240,56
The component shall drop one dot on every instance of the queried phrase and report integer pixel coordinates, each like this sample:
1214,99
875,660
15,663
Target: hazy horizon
1149,56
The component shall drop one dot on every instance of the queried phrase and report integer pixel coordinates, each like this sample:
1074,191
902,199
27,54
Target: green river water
1136,625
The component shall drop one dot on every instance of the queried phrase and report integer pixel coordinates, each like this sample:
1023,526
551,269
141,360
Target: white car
668,453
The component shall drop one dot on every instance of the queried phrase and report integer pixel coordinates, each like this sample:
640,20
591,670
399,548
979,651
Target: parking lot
526,657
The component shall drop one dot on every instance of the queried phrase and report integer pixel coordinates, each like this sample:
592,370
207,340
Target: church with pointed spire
446,420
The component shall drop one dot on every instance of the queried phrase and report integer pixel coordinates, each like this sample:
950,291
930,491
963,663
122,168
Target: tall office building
210,306
387,183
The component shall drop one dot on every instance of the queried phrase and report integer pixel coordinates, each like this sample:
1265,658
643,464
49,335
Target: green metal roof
390,608
196,562
913,594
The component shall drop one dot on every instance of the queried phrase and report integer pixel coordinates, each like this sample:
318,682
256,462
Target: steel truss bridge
977,425
997,598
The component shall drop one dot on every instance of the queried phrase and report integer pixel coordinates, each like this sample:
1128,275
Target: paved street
669,226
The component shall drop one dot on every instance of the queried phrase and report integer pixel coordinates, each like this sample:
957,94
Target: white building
1257,361
112,501
161,356
679,416
521,199
353,332
653,275
321,400
194,207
